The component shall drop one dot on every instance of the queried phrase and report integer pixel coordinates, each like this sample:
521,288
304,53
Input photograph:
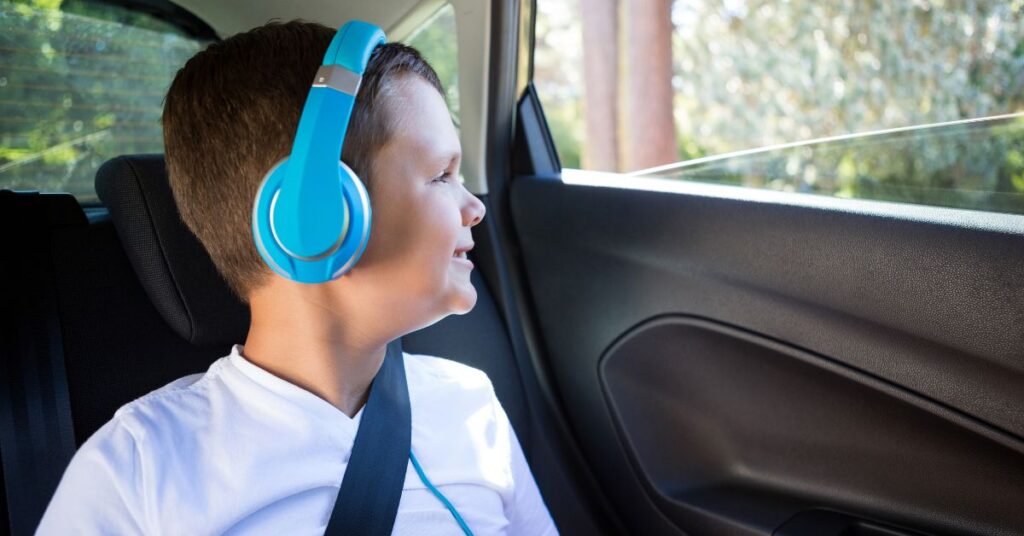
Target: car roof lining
228,17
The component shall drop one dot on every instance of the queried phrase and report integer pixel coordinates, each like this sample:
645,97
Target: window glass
436,41
857,99
80,83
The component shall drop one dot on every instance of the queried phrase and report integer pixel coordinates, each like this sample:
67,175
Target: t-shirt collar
306,400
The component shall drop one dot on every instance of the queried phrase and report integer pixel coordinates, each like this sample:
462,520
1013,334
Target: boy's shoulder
169,409
445,381
184,387
444,369
126,446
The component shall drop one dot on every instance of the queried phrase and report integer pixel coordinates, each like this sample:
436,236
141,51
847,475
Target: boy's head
231,114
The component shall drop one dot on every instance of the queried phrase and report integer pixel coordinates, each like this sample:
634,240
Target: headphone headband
311,217
353,44
310,180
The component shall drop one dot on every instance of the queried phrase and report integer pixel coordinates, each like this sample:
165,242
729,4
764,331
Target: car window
80,83
899,101
436,41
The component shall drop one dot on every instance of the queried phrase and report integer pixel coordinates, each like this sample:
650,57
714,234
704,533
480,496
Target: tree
748,74
648,129
80,83
601,75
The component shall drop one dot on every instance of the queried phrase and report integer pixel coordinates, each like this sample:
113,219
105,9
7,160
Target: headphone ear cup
352,243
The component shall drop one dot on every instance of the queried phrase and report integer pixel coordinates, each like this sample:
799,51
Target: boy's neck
333,353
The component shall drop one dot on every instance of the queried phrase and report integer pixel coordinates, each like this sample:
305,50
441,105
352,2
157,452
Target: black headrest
169,261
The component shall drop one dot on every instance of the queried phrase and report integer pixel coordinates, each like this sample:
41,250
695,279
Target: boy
260,442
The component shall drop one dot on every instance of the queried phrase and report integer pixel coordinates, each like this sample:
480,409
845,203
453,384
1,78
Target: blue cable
439,495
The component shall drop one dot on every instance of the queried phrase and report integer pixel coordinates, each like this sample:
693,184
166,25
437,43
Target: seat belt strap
36,436
372,486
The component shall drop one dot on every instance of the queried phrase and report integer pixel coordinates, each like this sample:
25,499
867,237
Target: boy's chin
463,301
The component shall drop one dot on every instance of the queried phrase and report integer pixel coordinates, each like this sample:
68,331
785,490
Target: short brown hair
231,114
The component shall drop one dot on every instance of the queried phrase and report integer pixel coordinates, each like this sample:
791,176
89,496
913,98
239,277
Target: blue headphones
311,218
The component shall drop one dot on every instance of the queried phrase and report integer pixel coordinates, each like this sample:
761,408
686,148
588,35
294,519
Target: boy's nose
474,211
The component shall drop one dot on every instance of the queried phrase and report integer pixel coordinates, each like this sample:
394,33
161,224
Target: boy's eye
442,177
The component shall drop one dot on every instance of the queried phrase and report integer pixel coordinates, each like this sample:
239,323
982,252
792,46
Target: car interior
675,357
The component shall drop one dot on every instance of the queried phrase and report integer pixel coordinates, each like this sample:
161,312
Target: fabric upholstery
169,261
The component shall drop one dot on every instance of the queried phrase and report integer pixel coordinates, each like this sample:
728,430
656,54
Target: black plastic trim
921,297
728,399
534,151
171,13
589,507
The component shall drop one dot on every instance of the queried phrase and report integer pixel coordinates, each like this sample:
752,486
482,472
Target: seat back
140,304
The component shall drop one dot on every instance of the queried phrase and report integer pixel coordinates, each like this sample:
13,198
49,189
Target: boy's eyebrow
452,157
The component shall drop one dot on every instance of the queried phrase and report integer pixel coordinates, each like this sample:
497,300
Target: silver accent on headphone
255,224
364,236
338,78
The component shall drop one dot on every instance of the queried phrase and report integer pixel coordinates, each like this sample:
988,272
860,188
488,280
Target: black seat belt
36,436
372,486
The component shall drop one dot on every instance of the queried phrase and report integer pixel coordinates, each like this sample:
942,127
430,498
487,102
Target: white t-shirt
238,450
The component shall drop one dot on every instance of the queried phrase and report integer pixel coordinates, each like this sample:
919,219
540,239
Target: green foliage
976,165
564,127
436,41
761,73
80,82
558,76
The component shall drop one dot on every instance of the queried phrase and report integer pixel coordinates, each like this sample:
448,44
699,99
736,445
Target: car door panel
729,358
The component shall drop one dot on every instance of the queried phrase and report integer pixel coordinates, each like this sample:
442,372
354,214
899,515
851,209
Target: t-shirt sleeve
527,514
100,491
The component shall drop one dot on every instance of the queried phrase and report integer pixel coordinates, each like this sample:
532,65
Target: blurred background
629,85
913,101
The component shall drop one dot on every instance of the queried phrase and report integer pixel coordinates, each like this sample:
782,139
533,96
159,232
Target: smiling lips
460,255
